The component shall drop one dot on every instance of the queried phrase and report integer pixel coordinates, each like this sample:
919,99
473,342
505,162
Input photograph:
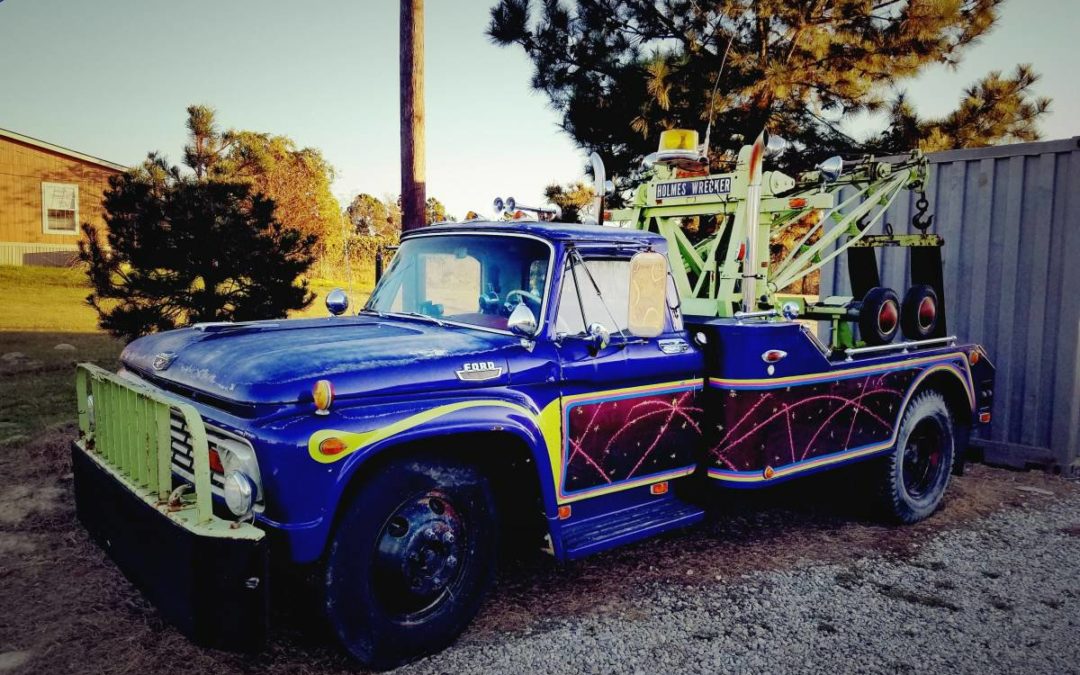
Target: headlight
237,456
239,493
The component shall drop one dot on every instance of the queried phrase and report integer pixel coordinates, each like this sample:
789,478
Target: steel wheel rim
924,458
418,556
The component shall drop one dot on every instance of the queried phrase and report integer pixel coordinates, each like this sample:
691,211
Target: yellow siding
23,168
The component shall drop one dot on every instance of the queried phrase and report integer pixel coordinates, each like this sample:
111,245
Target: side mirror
599,337
648,294
337,302
522,321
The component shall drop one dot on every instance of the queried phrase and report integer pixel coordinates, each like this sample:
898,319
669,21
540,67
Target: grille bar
130,428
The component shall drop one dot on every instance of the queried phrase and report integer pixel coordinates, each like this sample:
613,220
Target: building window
60,208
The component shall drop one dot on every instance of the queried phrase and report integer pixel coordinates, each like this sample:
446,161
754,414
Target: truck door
631,408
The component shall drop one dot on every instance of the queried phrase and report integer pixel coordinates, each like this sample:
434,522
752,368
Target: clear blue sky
112,79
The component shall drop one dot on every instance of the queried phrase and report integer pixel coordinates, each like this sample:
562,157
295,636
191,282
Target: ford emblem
163,360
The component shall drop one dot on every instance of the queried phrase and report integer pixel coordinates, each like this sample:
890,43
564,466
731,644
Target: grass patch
45,299
37,388
46,306
53,299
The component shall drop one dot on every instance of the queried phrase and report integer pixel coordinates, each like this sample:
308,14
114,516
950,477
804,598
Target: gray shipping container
1010,216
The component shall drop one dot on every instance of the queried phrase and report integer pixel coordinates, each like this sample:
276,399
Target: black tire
919,312
393,533
912,479
879,316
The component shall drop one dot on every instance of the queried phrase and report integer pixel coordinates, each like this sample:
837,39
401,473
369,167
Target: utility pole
411,59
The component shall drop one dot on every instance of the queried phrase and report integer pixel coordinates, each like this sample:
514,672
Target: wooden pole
411,59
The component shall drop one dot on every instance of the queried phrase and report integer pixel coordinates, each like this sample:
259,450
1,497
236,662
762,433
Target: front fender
364,433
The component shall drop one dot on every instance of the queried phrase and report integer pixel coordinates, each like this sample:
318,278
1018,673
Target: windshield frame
541,320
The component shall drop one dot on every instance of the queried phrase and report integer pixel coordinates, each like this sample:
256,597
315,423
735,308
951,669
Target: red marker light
797,202
215,462
564,512
659,488
773,355
984,417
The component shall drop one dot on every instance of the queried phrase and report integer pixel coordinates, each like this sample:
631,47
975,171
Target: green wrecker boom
727,272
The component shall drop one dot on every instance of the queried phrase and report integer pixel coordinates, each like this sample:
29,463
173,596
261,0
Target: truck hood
279,361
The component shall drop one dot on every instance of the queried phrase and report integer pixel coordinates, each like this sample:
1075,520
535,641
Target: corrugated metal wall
1010,216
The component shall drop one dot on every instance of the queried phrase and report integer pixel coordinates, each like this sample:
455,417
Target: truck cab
502,378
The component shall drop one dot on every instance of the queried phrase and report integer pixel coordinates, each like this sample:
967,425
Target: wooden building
46,193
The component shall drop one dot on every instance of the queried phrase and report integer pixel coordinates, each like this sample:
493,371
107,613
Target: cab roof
553,231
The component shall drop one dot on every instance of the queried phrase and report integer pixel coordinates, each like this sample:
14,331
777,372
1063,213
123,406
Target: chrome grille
182,460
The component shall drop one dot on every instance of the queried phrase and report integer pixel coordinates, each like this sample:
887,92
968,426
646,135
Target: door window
580,305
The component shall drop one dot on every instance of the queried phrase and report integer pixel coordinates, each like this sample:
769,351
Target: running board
608,530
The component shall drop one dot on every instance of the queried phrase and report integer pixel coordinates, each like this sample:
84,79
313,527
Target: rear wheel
410,561
914,476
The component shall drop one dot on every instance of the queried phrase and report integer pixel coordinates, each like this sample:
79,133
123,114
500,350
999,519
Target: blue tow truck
504,378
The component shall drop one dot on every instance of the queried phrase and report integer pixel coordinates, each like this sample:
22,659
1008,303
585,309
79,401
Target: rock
1034,490
13,356
13,660
64,347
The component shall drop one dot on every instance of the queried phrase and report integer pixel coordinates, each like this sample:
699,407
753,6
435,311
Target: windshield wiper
418,315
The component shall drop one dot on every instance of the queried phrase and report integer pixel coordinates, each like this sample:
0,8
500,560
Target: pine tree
620,71
182,250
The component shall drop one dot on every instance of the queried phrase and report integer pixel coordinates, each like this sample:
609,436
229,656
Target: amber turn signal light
323,395
332,446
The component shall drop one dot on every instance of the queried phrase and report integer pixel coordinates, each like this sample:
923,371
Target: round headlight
239,493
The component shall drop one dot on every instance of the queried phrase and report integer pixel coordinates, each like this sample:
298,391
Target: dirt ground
66,608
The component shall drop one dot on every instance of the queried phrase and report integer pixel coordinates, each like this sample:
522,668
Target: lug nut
448,537
430,534
451,561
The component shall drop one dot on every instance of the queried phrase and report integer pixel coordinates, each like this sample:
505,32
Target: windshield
465,278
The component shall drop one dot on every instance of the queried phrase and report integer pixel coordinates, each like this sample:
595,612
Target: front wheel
410,560
913,477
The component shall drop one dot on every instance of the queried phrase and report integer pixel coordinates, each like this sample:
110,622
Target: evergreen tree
620,71
182,250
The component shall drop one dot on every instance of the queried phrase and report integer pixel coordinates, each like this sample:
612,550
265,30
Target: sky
112,78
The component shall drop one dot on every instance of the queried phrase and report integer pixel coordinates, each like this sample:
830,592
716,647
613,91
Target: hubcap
418,554
927,312
924,457
887,317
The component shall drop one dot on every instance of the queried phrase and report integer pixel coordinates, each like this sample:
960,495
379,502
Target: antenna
712,97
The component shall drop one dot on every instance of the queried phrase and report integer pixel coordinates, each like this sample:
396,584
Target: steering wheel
532,300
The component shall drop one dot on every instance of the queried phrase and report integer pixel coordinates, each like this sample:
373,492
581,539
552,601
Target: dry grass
54,299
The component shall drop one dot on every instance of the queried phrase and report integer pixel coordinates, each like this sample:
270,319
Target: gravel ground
1002,595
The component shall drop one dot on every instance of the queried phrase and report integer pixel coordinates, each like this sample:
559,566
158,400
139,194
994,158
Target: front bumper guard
206,575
